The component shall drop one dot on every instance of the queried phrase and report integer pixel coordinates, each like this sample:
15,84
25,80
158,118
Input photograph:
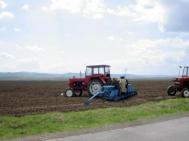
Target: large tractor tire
69,92
171,91
94,87
185,93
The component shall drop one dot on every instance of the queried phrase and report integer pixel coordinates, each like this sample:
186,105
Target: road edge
49,136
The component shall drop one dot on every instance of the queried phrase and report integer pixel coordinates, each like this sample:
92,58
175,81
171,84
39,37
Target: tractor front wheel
185,92
69,92
94,87
171,91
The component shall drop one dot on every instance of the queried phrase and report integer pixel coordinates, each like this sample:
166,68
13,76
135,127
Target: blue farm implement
111,93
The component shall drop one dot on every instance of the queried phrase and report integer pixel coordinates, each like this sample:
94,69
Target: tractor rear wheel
185,92
69,92
94,87
171,91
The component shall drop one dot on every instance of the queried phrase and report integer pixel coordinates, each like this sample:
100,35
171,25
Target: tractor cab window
104,70
107,70
185,72
95,71
101,70
88,71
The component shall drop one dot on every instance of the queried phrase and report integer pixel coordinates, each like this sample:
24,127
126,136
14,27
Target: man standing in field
123,85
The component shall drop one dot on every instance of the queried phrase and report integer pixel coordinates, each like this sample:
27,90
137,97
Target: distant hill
66,76
30,76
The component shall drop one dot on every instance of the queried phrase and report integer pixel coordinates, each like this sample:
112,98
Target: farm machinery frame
113,93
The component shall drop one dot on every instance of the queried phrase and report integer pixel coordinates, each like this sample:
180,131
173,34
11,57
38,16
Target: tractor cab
184,70
98,70
181,83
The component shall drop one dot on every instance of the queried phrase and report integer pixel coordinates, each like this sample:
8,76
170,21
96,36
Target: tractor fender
100,79
103,81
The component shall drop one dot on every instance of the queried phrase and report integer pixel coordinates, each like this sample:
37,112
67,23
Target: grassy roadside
11,127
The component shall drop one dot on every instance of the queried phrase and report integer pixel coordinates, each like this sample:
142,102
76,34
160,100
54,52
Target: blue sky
58,36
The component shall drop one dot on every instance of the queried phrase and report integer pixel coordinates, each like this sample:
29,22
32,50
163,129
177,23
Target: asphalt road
171,130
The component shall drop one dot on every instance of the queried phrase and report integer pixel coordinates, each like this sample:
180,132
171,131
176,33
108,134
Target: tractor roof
95,66
184,66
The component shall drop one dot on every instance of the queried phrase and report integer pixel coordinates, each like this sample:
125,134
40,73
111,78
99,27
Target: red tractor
95,77
181,83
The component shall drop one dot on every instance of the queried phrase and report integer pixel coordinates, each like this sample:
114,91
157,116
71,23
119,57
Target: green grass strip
11,127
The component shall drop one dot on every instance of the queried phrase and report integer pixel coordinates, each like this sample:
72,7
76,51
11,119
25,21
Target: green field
11,127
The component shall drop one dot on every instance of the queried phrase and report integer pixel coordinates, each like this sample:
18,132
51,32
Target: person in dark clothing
109,81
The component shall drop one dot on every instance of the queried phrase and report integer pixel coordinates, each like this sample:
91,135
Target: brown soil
32,97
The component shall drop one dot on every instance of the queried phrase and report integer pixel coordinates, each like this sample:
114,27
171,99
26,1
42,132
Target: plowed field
32,97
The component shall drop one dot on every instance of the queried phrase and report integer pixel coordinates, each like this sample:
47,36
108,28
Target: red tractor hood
181,78
77,79
73,81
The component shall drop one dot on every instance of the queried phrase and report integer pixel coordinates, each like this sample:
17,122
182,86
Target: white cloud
141,11
161,51
115,38
3,28
156,56
16,29
89,8
71,6
6,15
34,48
149,10
26,60
3,4
111,38
62,52
177,15
26,7
5,55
